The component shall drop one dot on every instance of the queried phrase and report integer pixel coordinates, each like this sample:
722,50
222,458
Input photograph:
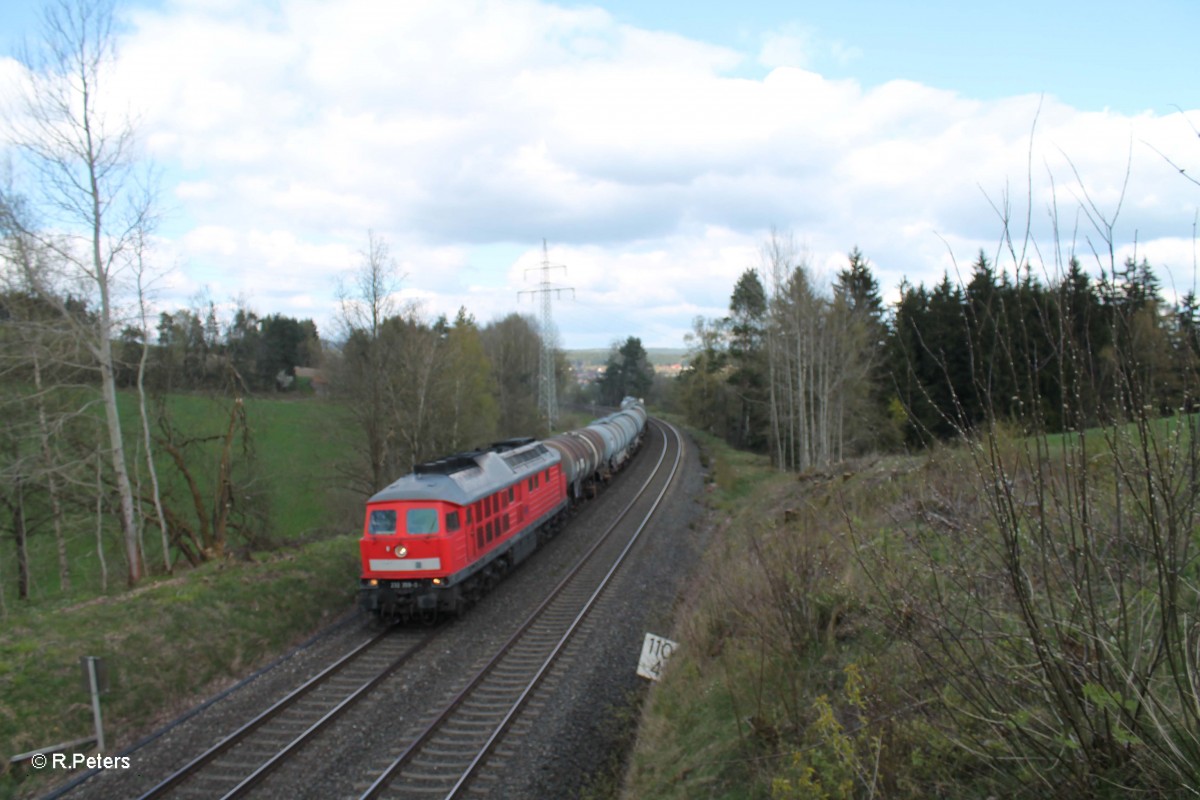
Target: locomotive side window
468,515
510,494
382,522
451,521
422,520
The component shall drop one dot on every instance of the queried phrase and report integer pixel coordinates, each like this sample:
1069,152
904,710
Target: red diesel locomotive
434,541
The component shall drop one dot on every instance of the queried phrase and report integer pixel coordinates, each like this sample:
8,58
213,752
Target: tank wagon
436,540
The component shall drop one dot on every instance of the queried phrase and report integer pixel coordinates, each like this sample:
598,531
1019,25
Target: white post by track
91,674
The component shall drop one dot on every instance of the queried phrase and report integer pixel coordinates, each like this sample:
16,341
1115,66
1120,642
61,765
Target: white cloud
790,47
653,171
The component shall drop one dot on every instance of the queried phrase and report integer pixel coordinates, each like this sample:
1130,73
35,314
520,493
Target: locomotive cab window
451,521
422,520
382,522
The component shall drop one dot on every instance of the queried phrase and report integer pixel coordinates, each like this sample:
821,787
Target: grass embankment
985,620
177,638
165,643
718,724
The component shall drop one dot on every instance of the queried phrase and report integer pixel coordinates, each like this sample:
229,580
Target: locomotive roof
466,477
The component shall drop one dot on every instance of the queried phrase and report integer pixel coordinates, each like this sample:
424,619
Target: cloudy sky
653,145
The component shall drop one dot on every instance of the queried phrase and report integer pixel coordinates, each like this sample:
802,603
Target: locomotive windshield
422,520
382,522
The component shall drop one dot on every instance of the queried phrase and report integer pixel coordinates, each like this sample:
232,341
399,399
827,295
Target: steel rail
428,732
289,700
537,678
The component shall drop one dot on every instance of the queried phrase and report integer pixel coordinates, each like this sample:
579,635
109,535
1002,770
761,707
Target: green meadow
180,636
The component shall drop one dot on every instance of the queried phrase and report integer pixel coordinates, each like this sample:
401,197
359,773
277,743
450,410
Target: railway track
451,750
236,764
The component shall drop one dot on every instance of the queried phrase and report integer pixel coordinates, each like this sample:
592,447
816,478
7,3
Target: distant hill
659,356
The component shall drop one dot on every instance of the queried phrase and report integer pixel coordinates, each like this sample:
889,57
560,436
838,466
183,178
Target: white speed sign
655,652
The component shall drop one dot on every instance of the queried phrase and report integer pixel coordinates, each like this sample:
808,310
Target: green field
177,637
597,358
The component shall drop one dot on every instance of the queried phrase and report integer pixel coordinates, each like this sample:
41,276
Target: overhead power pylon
547,383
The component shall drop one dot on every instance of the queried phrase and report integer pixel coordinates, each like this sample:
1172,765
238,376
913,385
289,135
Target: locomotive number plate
404,584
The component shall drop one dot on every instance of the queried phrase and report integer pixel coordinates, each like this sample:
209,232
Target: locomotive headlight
373,582
437,581
402,551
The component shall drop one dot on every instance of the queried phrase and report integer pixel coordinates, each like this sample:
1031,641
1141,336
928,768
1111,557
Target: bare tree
37,358
816,362
361,369
96,212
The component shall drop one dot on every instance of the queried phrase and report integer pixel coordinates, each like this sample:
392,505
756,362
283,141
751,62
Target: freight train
436,540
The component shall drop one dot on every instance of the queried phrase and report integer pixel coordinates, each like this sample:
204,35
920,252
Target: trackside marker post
95,676
655,652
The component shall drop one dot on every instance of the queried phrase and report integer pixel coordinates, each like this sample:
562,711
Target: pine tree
746,325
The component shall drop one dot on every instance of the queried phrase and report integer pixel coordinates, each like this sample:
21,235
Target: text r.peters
59,760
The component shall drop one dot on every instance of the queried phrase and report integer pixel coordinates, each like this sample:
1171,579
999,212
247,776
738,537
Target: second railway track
236,764
450,751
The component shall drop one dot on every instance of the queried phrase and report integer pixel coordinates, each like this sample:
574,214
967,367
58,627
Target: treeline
812,376
417,390
191,349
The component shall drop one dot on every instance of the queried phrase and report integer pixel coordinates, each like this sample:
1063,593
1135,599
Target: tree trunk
56,511
223,502
133,554
100,526
158,507
20,539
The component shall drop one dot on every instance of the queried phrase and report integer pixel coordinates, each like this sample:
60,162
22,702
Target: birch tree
817,362
94,212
